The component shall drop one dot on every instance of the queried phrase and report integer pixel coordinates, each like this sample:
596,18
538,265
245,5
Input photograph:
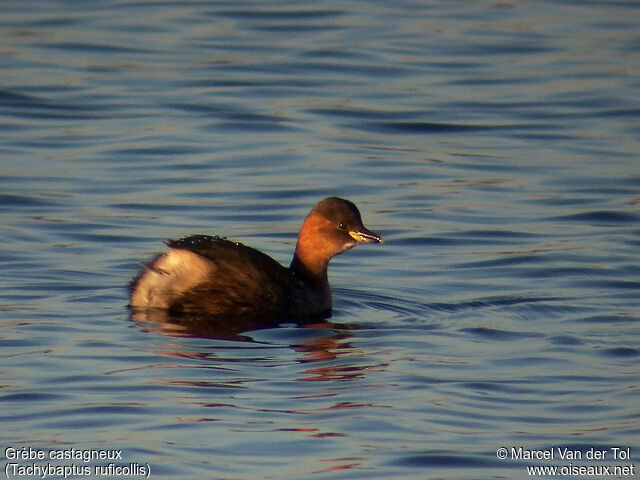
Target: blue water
496,147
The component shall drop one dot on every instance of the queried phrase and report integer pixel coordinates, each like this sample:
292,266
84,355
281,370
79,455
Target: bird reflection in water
330,344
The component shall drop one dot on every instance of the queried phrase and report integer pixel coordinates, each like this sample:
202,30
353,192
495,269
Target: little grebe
208,275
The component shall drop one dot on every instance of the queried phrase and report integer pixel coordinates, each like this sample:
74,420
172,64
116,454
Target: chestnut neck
313,252
310,270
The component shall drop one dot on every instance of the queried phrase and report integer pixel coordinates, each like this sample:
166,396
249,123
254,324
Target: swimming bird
213,276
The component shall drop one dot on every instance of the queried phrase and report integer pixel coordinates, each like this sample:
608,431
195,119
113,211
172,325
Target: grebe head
333,226
342,225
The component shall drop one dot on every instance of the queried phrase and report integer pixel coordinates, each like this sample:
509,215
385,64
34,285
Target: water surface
495,146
